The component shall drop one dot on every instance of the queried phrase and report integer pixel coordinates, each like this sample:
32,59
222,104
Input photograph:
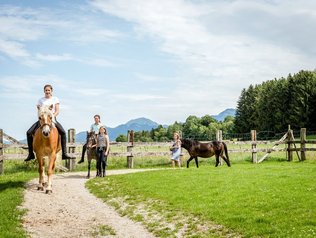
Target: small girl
103,147
176,150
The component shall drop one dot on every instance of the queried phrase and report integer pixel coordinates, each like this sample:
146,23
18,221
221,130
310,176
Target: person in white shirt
95,127
48,100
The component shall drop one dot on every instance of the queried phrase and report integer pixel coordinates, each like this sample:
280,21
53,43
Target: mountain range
227,112
144,124
139,124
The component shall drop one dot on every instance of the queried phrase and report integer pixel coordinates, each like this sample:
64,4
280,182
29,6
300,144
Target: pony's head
46,119
91,139
186,143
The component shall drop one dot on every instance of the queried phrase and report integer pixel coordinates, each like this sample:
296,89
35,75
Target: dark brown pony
46,143
205,150
91,149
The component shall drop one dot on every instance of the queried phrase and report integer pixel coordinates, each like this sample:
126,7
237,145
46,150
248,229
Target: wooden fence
131,149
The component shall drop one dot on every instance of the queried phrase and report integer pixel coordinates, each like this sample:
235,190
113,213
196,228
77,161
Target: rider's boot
64,148
31,155
84,148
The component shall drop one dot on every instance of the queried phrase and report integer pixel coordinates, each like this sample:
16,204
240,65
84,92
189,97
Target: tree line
202,128
270,106
275,104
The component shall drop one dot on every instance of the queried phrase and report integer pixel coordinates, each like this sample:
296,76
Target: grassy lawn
11,196
272,199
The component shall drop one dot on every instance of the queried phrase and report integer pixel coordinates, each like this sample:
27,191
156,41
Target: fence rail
133,149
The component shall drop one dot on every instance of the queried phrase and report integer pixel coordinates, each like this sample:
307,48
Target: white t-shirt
48,101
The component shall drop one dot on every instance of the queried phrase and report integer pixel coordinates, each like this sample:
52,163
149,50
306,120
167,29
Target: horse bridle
91,139
46,124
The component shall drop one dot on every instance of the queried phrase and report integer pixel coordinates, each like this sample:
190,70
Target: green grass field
273,199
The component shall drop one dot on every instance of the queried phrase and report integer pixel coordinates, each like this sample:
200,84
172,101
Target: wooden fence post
130,145
219,137
289,144
71,163
303,141
1,152
254,146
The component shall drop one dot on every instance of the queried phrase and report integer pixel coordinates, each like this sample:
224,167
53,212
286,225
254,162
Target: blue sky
164,60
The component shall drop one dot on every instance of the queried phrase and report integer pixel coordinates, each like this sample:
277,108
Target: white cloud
189,32
137,97
13,49
98,62
63,57
91,33
88,92
22,86
20,26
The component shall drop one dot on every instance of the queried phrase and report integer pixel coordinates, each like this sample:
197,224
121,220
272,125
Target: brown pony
46,143
91,149
205,150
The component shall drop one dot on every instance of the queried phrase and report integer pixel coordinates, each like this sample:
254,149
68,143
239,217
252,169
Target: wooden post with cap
303,141
289,144
254,146
130,145
71,163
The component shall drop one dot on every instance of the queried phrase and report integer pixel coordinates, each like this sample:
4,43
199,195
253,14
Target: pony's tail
226,152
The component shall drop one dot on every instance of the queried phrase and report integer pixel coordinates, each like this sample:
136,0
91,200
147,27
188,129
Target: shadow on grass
11,185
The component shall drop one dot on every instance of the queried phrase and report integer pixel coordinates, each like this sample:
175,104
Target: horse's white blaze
46,128
44,112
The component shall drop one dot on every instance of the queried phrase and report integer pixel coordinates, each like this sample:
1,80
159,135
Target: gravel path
71,211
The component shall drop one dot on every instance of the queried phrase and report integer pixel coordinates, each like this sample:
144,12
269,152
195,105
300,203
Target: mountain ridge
144,124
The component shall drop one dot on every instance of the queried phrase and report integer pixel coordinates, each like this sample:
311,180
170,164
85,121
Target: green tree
247,111
121,138
276,103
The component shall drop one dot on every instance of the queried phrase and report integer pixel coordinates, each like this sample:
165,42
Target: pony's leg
41,174
196,161
226,160
98,168
217,160
89,167
50,170
188,161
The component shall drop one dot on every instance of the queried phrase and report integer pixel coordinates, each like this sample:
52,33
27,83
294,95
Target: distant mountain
225,113
144,124
139,124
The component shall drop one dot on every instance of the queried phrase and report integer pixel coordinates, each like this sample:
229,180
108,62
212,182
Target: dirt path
71,211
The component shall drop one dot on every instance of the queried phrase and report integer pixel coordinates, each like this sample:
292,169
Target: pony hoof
49,191
40,188
88,177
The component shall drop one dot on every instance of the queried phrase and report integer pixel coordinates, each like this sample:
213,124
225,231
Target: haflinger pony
91,149
46,143
205,150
